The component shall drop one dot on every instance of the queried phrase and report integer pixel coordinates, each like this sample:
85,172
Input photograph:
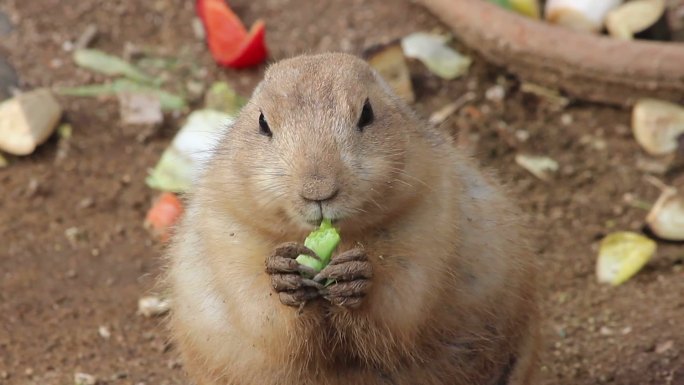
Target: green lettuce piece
99,61
190,148
323,241
169,102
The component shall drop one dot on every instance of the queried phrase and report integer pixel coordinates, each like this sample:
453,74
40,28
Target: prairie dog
433,280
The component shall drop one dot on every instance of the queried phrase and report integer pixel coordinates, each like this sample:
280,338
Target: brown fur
452,296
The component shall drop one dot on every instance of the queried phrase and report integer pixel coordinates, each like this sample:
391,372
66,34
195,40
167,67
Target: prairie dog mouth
314,214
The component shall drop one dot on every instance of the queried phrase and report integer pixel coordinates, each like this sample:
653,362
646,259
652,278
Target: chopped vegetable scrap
621,255
437,56
163,215
229,42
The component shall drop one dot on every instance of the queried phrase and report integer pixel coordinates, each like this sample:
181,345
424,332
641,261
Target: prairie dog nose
319,188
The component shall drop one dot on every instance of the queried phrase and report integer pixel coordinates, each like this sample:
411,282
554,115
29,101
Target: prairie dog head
321,137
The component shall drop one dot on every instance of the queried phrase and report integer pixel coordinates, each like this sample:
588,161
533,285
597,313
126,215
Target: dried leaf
551,95
433,51
622,255
443,113
390,63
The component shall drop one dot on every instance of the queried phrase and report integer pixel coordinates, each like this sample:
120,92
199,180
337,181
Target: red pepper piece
227,38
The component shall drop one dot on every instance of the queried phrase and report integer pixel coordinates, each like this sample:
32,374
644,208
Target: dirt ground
55,292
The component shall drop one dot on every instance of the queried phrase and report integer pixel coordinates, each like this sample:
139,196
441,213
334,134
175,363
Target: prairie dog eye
264,129
366,117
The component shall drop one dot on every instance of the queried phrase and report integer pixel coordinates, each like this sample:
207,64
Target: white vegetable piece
27,120
580,15
657,124
666,218
435,54
633,17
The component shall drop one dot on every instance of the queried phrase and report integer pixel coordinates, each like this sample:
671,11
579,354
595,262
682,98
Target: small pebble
68,46
522,135
140,109
86,203
195,88
56,63
33,187
73,234
119,376
131,51
566,119
84,379
495,93
664,346
103,331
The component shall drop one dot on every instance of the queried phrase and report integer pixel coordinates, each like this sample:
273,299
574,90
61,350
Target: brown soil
55,294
